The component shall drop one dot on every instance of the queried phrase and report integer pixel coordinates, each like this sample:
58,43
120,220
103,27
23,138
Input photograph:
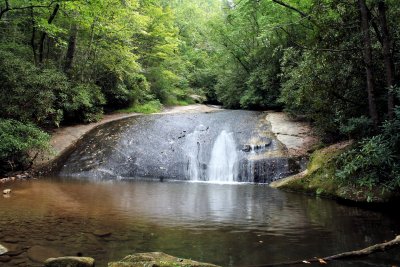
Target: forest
333,63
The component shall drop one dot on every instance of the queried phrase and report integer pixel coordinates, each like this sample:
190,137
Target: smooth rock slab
69,262
157,259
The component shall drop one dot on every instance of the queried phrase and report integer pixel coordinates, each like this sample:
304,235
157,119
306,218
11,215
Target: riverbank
319,180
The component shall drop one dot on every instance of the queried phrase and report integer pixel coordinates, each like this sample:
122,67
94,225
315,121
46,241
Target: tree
388,56
365,29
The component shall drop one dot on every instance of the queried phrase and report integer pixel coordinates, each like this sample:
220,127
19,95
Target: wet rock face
267,170
156,259
180,147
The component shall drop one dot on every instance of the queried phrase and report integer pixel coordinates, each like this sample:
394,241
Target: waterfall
223,165
195,147
193,151
222,157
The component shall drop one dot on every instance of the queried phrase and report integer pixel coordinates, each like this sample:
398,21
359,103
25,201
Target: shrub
323,88
374,161
121,90
28,93
44,96
152,106
84,103
17,142
357,127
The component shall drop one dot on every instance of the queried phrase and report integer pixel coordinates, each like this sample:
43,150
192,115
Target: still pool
225,224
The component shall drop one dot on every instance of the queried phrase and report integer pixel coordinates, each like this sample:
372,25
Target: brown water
230,225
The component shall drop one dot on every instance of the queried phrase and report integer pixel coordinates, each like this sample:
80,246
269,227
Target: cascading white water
193,151
223,165
250,165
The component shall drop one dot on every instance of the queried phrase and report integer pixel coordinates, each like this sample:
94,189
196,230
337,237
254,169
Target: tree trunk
69,58
388,57
368,62
5,9
44,34
33,36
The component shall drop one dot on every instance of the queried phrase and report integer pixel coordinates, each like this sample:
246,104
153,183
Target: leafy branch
8,7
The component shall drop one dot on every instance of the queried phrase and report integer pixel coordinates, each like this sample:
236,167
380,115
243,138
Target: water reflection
232,225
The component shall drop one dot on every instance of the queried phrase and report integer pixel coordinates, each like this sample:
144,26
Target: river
231,224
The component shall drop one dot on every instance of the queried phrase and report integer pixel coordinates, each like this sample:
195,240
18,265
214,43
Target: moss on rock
70,262
159,259
319,179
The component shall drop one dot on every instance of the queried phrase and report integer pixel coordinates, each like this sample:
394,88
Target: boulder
69,262
157,259
246,148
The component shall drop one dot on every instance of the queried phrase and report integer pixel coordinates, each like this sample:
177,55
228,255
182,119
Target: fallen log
350,254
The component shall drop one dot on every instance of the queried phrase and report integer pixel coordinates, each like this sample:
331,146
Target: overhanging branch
10,8
302,13
351,254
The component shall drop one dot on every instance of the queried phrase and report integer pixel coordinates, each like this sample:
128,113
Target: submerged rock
70,262
102,233
41,254
159,259
14,249
5,258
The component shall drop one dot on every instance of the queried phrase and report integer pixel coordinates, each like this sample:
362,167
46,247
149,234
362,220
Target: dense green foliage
304,56
65,61
334,63
375,160
17,139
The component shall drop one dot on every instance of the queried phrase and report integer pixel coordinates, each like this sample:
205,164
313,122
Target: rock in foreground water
153,259
3,249
70,262
6,191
